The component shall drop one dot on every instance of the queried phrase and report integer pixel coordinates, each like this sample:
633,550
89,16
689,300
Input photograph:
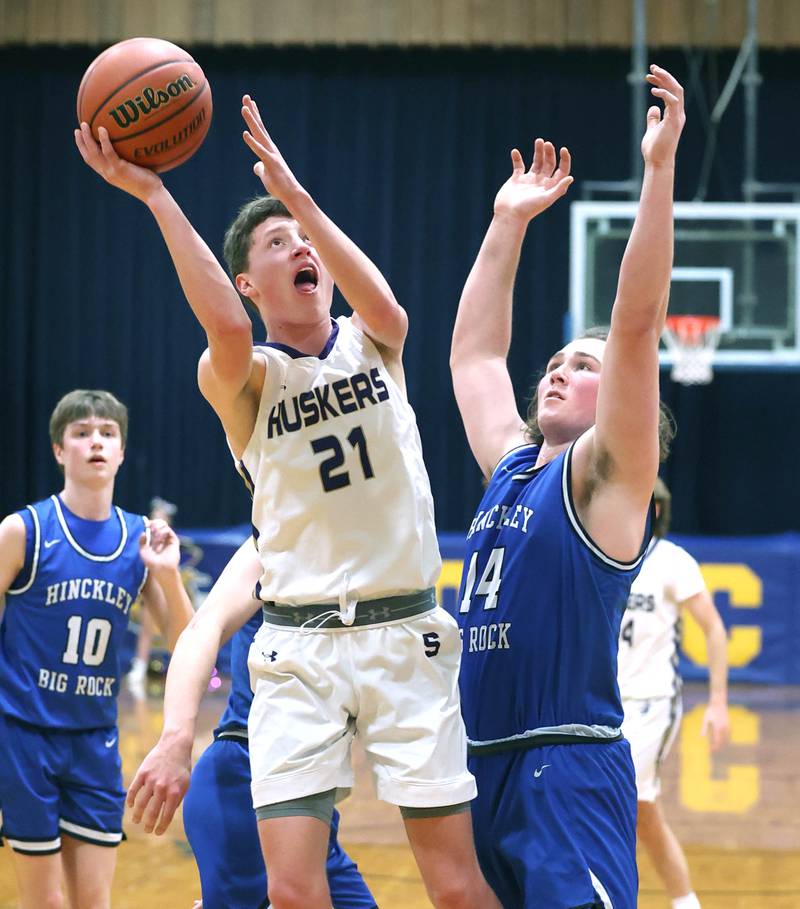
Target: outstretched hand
271,168
662,134
528,193
139,182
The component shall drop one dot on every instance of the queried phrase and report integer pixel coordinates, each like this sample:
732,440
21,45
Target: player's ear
58,453
243,284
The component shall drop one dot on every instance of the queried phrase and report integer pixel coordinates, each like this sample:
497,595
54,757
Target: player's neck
89,504
308,339
549,451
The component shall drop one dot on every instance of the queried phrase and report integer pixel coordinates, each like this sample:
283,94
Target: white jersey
342,505
650,632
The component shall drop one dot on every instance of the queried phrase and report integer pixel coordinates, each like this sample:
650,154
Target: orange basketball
152,98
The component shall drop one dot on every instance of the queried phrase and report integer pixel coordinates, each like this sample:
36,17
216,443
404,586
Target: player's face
285,277
567,394
91,451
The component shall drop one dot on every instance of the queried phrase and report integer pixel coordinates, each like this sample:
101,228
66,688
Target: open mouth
306,279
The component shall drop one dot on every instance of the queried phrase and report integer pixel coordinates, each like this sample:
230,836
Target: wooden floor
737,816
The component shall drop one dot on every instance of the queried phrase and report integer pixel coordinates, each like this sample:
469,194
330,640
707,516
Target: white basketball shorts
651,726
394,684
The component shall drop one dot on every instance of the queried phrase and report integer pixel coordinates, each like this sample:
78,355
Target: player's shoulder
14,524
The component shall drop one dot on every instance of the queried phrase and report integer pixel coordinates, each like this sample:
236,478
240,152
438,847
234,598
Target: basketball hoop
692,341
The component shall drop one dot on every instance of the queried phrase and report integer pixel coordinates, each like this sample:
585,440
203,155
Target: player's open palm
271,168
663,132
139,182
527,193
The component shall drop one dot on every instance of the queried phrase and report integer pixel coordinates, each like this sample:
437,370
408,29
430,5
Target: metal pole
748,298
752,81
638,94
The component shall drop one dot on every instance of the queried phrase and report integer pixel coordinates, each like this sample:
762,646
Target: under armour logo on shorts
270,656
379,614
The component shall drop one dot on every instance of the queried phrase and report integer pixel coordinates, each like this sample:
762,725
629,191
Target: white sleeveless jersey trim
648,652
342,507
37,539
578,527
77,546
508,454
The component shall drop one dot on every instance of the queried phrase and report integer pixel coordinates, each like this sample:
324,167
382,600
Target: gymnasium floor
737,816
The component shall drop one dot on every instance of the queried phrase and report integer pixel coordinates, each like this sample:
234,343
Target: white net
692,341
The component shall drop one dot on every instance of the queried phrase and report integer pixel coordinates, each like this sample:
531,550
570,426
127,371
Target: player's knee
52,899
451,891
296,893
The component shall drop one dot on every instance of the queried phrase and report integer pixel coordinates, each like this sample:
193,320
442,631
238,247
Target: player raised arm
163,593
615,465
357,277
482,332
163,778
212,297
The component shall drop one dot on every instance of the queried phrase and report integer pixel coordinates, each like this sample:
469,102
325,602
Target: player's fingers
151,812
517,164
564,162
548,159
134,791
88,147
256,111
653,116
561,187
168,809
667,97
253,121
81,144
659,75
254,145
538,153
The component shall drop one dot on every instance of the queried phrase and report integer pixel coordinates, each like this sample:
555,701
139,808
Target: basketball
152,98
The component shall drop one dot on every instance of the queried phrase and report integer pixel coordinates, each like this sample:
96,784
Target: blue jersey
234,718
539,609
66,616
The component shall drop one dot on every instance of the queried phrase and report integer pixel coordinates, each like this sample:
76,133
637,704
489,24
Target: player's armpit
235,399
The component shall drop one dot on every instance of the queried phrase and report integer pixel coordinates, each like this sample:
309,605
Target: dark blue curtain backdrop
405,150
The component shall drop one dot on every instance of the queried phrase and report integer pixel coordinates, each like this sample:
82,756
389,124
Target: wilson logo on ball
127,113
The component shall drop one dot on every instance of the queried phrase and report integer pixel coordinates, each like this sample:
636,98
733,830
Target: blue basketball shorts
55,782
555,827
221,827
